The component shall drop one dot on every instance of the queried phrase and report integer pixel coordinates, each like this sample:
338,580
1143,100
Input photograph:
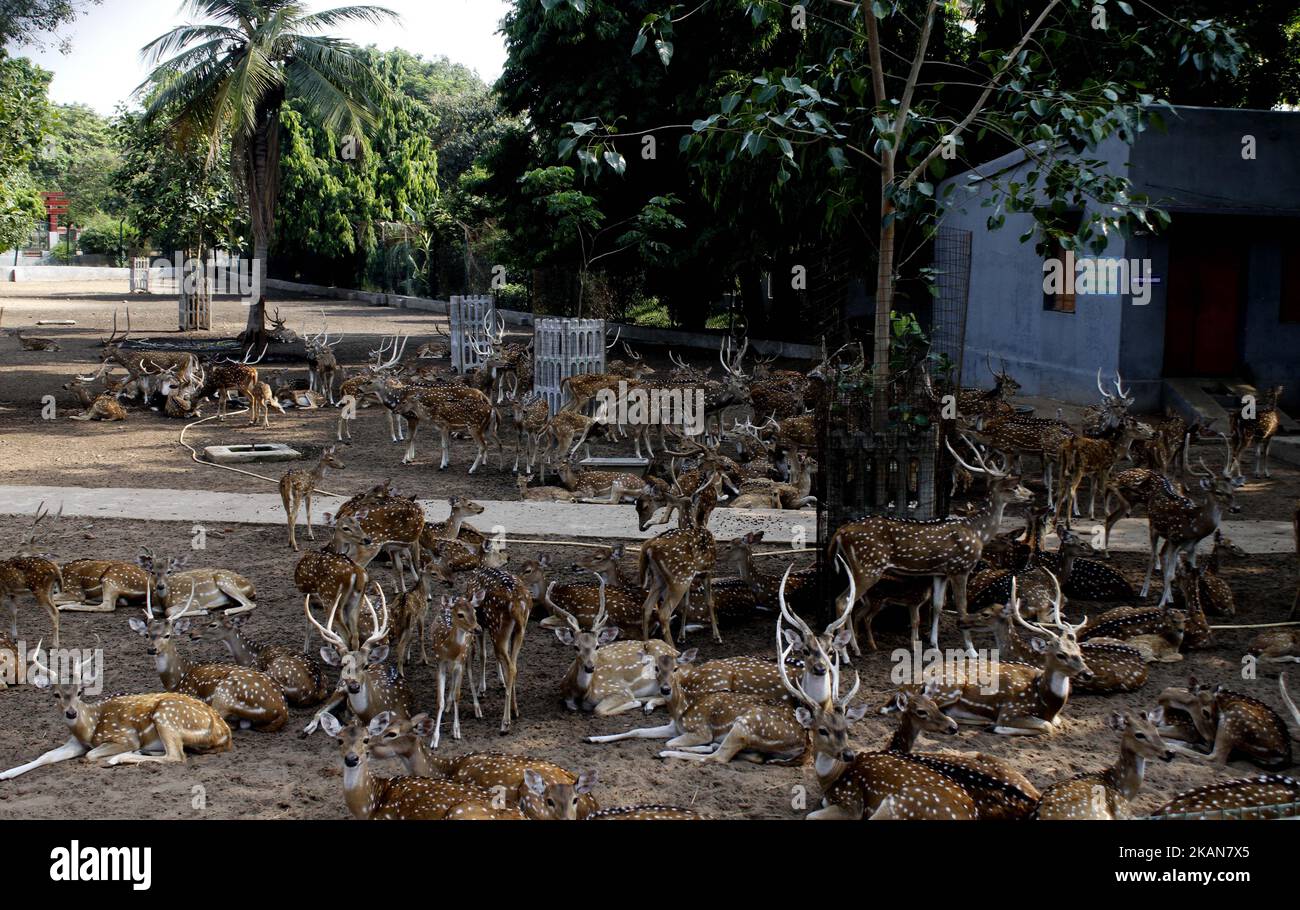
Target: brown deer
504,606
392,524
992,402
104,580
1257,798
528,417
1277,646
539,788
1184,521
1082,457
1225,722
240,377
301,678
999,791
451,639
127,729
367,682
610,487
945,550
236,693
451,408
1108,794
330,576
455,527
262,403
584,601
1257,431
31,343
401,798
560,436
542,494
667,565
29,573
296,488
1156,632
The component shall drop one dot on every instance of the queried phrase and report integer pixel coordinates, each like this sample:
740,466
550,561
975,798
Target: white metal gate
468,317
562,348
140,274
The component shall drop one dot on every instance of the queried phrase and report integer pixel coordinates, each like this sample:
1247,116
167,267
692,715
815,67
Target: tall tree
24,117
231,76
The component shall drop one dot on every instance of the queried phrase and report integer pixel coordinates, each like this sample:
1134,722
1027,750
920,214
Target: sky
104,64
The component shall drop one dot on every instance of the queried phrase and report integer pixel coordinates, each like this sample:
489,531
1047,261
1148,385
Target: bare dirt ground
280,775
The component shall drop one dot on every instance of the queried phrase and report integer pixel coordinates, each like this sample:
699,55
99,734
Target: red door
1203,305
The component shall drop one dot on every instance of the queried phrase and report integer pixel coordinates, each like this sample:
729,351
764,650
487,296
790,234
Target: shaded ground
280,775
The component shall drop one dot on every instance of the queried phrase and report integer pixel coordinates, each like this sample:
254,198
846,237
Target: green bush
513,297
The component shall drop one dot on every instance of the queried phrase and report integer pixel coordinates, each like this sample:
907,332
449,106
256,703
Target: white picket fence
562,348
468,316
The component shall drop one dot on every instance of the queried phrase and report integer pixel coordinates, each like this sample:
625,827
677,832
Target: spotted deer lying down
1263,796
1225,723
126,729
1108,794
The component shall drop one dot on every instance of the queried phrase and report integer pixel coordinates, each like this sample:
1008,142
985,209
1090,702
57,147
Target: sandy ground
280,775
283,776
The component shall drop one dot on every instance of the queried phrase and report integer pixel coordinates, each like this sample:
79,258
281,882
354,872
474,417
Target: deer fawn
296,488
301,678
241,693
367,682
127,729
452,636
1226,722
262,403
504,606
946,550
1108,794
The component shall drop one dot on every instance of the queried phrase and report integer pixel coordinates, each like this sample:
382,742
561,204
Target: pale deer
210,589
367,681
451,639
542,494
1226,723
504,606
1108,794
127,729
401,798
945,550
301,678
236,693
607,678
99,585
1257,798
296,488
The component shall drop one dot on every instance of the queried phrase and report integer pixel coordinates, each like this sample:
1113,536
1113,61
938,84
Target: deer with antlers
127,729
1109,794
296,488
332,577
504,606
368,682
1257,431
1182,522
101,406
236,693
989,402
29,573
322,364
946,550
1226,723
239,377
301,678
584,601
1081,456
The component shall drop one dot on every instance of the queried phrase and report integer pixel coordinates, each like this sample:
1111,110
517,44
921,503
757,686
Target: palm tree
229,77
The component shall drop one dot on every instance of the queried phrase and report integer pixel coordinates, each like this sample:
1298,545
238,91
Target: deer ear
856,713
793,639
608,634
689,656
180,627
535,782
544,560
379,723
1038,645
616,551
330,724
422,725
754,537
1117,721
478,597
565,635
804,716
841,638
587,781
329,655
138,625
378,655
897,704
931,688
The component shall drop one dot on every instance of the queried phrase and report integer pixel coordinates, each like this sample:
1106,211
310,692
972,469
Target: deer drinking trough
251,454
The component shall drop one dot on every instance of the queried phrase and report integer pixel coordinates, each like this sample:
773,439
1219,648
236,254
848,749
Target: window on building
1063,301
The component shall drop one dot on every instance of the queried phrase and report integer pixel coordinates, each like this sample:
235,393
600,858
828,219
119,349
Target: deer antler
560,611
983,468
784,652
327,633
617,336
379,630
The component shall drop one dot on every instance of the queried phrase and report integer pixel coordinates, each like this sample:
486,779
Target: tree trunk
254,335
258,158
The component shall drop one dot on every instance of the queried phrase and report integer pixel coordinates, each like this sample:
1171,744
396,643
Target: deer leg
291,517
311,533
410,448
664,731
442,686
1151,564
71,749
1018,725
713,612
457,675
651,601
1169,568
445,433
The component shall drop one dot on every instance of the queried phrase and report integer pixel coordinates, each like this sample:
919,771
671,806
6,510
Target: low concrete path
520,519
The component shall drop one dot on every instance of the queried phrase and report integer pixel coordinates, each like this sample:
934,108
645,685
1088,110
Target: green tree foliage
78,156
24,113
30,21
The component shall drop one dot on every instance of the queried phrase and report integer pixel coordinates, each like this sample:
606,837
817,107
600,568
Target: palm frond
343,15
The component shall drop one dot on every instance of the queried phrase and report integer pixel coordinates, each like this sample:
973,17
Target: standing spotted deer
946,550
233,376
296,488
452,635
1257,431
504,606
29,573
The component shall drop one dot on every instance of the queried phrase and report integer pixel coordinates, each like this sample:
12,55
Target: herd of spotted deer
793,708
